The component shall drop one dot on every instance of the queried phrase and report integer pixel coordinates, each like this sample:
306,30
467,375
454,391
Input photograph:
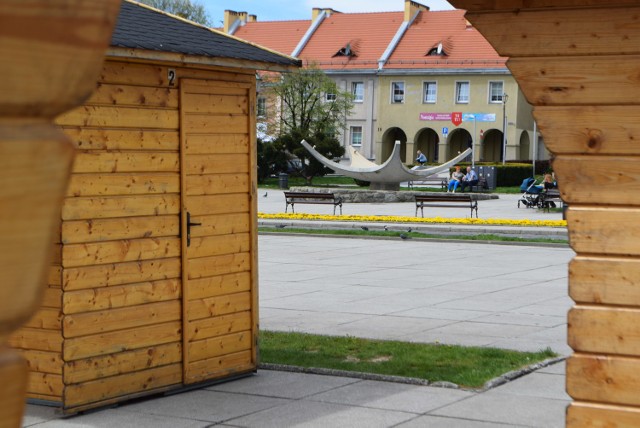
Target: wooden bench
432,181
481,185
447,200
548,196
292,198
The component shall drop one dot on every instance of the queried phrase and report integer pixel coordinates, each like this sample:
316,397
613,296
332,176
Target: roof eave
178,58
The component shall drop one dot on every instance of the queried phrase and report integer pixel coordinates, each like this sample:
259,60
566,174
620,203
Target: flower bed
407,219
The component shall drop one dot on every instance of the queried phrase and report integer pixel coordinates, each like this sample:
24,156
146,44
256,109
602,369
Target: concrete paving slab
509,409
393,396
446,422
123,418
313,414
270,383
204,405
543,385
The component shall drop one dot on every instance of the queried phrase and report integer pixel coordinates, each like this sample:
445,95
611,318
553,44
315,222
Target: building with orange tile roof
426,78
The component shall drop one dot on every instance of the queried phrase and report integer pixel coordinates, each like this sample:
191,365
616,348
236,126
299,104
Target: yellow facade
414,122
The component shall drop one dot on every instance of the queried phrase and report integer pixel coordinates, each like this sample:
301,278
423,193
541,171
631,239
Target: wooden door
218,229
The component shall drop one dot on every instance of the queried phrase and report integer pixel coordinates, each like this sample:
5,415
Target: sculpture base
384,186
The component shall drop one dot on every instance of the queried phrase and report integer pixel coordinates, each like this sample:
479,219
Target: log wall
111,326
577,63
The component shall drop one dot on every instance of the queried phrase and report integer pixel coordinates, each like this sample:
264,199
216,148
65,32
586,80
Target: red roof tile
368,34
463,45
281,36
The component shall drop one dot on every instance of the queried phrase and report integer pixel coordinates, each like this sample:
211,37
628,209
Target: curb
490,384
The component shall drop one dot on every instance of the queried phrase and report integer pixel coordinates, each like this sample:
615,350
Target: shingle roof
140,27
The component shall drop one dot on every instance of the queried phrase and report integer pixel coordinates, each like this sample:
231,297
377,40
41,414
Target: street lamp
504,127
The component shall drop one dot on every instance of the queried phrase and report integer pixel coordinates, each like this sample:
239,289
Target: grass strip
409,235
468,367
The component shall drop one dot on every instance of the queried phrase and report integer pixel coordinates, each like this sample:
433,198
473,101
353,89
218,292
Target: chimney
316,11
252,18
233,19
411,8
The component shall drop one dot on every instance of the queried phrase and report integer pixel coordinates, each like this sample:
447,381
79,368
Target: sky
280,10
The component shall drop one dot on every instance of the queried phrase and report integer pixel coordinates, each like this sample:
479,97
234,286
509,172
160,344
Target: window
462,92
262,107
430,92
397,92
330,96
357,89
496,91
356,135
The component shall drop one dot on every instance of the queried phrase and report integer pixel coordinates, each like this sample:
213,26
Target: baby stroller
530,194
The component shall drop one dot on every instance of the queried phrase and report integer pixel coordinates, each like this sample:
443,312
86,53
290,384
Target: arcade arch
389,139
426,141
492,146
458,141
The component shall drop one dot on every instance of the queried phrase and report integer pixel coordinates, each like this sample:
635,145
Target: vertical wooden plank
184,83
253,170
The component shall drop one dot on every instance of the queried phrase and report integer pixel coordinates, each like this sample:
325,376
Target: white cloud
374,5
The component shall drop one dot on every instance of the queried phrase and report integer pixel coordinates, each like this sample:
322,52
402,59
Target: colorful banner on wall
466,117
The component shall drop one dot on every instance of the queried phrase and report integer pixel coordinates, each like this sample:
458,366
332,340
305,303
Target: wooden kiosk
153,285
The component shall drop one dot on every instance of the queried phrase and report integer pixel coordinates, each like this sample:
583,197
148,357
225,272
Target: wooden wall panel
123,362
221,366
578,80
122,139
220,285
125,250
118,319
213,144
122,385
222,325
121,341
592,327
95,299
605,280
134,96
599,415
598,130
535,33
218,245
120,206
218,184
604,379
146,161
112,184
219,305
604,230
97,230
120,273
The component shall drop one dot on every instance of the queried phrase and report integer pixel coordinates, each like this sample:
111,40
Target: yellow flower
407,219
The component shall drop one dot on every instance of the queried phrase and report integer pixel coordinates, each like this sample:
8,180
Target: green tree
312,108
186,9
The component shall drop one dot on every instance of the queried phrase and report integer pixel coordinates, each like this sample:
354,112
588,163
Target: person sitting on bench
470,179
456,179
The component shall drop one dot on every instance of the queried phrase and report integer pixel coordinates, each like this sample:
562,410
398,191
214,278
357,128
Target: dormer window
437,50
348,50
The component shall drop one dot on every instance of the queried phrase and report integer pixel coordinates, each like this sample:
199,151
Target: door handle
189,224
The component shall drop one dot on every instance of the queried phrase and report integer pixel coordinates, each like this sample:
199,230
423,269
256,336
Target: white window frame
352,132
393,92
500,95
358,96
424,92
263,109
330,97
458,91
